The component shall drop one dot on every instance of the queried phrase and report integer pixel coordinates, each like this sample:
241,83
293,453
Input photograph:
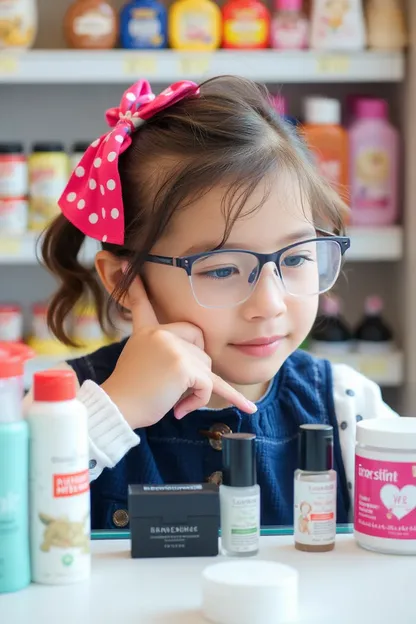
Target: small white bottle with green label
239,496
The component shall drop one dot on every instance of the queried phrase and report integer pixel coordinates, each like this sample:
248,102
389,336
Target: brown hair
230,134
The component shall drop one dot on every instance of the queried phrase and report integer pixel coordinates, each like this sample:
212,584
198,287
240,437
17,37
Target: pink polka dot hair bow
92,199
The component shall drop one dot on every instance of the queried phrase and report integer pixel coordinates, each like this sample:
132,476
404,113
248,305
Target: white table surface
346,586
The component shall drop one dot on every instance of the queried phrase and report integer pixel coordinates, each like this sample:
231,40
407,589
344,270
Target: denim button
344,425
350,392
216,477
92,464
215,433
120,518
358,418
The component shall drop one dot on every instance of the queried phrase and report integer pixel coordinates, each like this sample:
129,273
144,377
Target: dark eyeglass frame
186,262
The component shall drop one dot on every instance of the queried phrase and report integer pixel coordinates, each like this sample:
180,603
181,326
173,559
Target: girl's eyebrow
303,234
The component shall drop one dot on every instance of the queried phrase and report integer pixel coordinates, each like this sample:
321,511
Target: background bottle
330,333
315,490
328,141
289,26
374,153
338,25
59,481
386,25
143,25
246,24
372,334
14,479
239,496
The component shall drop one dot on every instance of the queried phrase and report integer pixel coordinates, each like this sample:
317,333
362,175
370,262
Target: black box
174,520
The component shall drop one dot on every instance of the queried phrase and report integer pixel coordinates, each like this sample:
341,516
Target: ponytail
60,249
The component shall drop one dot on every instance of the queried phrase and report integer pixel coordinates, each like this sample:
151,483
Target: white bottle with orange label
59,481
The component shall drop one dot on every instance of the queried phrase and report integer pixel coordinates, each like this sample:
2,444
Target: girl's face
268,313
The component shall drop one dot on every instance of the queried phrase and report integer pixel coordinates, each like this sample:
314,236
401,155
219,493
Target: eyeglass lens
225,279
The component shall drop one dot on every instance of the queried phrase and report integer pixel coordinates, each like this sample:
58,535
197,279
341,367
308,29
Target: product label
11,327
244,530
290,34
196,28
13,215
337,24
17,23
315,512
372,179
245,29
71,484
385,498
13,176
146,28
93,24
60,498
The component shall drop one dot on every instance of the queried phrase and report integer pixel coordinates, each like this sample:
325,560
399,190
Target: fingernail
252,406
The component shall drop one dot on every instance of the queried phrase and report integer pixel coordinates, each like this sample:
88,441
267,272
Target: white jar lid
322,110
391,433
250,592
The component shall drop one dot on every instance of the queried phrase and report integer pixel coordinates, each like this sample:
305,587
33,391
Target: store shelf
165,66
367,245
376,244
386,370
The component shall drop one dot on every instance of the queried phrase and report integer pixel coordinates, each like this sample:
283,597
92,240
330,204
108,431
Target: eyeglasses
225,278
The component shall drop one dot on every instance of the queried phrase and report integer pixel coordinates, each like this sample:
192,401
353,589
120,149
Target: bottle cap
48,146
239,459
279,103
54,385
331,305
11,148
289,5
371,108
250,591
80,146
316,448
12,359
321,110
373,305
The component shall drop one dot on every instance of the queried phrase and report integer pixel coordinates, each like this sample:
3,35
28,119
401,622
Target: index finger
223,389
141,309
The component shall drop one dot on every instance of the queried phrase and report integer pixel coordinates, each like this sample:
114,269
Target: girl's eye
221,273
294,262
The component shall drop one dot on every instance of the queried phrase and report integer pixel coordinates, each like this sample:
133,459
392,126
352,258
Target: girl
218,237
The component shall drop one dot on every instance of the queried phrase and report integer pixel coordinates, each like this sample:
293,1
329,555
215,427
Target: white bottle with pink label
374,154
289,27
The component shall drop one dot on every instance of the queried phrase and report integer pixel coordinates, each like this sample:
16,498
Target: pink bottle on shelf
289,26
374,153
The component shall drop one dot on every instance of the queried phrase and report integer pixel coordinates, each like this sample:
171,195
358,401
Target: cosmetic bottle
59,480
239,496
14,476
315,490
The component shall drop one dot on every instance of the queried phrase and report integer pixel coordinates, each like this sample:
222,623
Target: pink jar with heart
385,485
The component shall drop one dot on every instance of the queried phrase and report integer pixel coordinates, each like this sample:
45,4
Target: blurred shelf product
368,245
387,370
166,66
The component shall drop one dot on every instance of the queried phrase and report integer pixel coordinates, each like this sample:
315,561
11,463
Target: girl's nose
268,298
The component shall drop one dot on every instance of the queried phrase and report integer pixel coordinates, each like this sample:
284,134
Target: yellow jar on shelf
86,330
194,25
18,24
48,176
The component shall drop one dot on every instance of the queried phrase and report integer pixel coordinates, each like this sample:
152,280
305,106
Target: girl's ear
110,270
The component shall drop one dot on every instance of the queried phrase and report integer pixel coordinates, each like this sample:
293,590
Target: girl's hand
159,364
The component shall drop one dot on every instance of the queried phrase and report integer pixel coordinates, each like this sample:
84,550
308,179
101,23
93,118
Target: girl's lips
260,347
